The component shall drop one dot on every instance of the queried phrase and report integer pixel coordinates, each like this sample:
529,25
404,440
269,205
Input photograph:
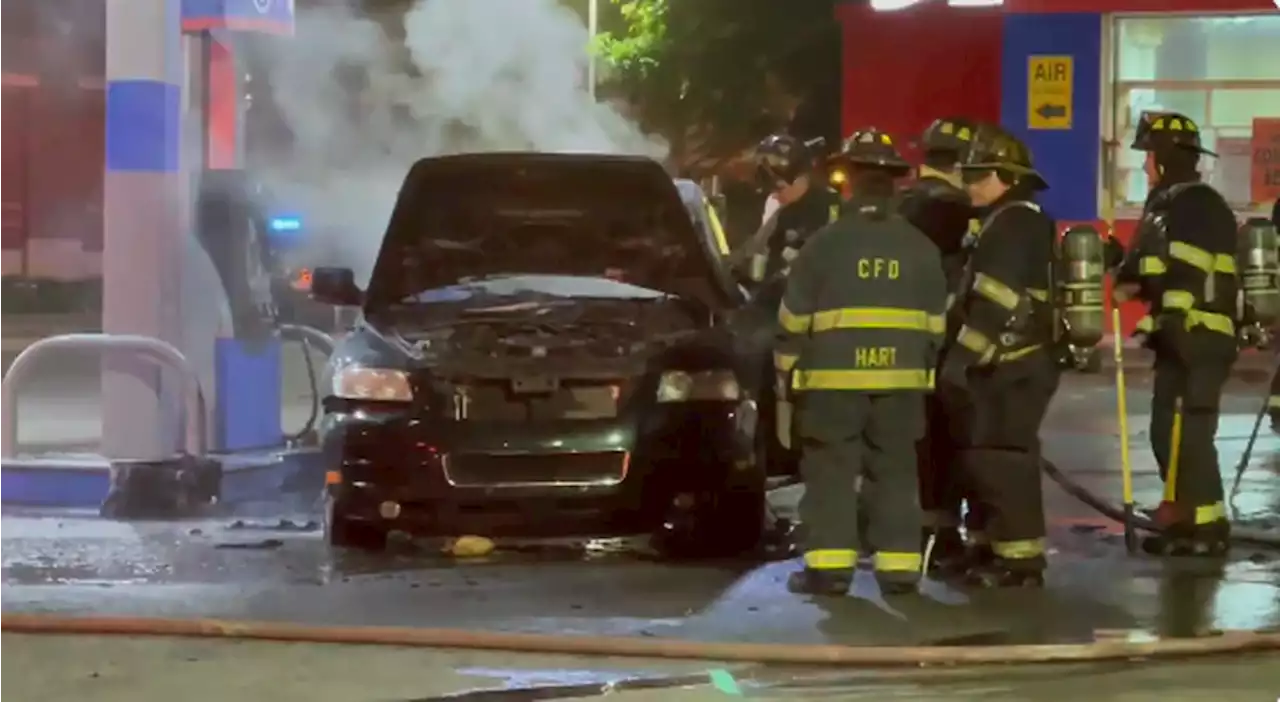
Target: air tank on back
1082,263
1258,263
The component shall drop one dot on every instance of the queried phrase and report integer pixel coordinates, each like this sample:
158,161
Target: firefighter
1003,353
937,205
861,323
785,169
1183,266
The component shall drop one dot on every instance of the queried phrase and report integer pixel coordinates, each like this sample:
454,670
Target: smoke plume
366,96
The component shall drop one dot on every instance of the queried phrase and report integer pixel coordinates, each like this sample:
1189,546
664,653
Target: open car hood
468,216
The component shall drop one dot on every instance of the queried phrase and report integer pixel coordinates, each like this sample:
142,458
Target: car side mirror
335,286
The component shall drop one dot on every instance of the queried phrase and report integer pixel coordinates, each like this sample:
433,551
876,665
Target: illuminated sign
284,224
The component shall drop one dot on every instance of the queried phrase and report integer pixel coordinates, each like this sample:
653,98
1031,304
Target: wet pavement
270,564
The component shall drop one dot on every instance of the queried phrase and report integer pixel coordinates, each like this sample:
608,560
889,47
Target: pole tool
1122,415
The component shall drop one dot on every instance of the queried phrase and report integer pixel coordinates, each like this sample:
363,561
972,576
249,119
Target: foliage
734,69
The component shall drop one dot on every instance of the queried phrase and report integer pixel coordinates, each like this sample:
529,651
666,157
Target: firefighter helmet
1157,130
781,157
872,148
994,148
949,134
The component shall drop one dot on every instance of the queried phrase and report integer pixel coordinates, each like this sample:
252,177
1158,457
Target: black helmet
949,134
1157,130
995,148
873,148
782,158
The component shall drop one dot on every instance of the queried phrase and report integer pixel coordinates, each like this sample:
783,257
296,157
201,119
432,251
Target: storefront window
1223,72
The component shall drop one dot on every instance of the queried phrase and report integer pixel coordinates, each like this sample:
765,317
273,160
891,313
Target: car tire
341,531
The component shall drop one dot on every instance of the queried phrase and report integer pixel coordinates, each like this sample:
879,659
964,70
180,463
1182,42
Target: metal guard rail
194,420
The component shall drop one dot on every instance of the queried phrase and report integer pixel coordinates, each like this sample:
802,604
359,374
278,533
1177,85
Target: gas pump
232,233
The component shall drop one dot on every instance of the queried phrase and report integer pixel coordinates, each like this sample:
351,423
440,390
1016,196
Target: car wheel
341,531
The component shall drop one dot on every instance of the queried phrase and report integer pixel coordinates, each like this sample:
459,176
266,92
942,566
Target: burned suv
549,347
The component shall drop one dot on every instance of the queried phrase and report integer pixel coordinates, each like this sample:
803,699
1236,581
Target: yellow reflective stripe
1016,550
975,226
833,213
1146,325
1201,259
995,291
876,318
1151,265
717,230
792,322
900,379
1020,353
897,561
759,266
1208,514
976,342
1273,401
1177,300
1191,255
951,301
784,361
1212,321
831,559
1038,294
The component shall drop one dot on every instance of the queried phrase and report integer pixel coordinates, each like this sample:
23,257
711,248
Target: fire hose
644,647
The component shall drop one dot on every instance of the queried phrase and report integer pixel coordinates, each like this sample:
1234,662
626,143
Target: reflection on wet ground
268,564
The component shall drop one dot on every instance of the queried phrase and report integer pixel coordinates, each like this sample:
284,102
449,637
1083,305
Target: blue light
284,224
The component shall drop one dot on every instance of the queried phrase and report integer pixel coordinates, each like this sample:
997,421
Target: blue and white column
145,220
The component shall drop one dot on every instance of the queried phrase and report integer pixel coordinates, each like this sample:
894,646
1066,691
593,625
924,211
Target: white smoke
470,75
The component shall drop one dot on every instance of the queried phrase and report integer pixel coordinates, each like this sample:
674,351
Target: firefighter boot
829,583
1001,573
974,555
1203,541
947,549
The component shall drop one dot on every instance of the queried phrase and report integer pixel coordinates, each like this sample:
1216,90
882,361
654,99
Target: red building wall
53,137
904,69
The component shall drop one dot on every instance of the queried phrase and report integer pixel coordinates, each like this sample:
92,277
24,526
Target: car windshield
550,216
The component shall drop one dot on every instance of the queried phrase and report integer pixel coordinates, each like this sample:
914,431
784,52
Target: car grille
497,403
520,470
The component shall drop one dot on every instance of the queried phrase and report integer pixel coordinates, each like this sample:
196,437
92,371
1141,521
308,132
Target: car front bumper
586,478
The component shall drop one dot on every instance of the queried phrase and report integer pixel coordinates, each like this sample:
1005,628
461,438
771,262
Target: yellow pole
1175,448
1117,341
1122,415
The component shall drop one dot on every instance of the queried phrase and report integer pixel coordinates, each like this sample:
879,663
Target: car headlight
377,384
699,386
